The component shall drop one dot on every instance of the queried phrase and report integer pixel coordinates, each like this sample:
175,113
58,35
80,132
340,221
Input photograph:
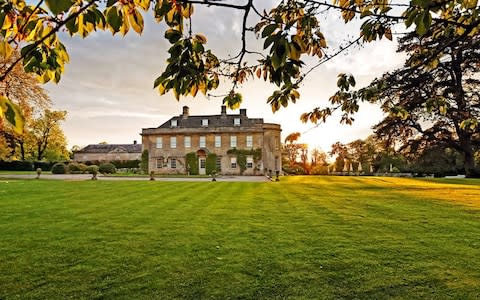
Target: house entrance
202,161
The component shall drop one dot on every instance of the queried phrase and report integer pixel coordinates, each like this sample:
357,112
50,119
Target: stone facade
224,135
109,152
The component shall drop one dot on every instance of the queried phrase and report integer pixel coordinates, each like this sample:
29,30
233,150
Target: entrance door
201,165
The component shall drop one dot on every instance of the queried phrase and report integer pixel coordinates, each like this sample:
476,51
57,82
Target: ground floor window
218,164
249,162
160,163
173,163
233,162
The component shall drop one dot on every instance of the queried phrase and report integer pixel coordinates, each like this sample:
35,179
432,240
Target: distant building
109,152
235,141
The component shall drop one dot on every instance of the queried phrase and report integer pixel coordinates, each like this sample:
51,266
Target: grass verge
301,238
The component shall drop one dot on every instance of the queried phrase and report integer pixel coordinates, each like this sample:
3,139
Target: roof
213,121
115,148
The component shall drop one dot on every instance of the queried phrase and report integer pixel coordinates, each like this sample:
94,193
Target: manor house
230,144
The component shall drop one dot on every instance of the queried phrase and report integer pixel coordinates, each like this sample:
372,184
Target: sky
107,88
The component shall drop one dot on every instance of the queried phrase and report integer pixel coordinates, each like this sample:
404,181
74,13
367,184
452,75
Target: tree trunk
469,163
22,150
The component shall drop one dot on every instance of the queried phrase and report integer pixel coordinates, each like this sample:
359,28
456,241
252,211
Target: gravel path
101,177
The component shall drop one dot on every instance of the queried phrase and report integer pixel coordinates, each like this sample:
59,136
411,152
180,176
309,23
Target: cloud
108,92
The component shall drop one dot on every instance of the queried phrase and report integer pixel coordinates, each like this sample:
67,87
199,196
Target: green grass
301,238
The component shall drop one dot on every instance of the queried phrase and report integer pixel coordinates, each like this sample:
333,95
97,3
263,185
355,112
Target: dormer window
236,122
174,123
205,122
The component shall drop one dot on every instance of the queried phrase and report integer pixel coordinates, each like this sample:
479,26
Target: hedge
19,165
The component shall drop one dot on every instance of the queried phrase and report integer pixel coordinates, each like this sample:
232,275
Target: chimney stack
224,111
134,142
243,112
185,112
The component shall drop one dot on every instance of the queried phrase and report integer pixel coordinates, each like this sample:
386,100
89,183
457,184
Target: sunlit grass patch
302,237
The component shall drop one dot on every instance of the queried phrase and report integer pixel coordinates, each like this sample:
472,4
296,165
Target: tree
319,158
437,106
292,148
340,150
44,136
26,93
289,32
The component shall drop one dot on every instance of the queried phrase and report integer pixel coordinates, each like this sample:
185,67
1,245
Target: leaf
172,35
114,19
200,38
187,11
388,33
12,113
136,21
269,29
59,6
5,50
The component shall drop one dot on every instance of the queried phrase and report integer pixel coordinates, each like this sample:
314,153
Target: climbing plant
211,163
191,160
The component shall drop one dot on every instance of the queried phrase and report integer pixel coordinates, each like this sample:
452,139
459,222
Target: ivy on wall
211,163
191,160
242,154
144,162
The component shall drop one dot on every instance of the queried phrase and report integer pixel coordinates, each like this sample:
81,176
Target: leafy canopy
289,32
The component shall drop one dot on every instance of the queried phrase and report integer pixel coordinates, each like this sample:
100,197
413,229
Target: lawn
300,238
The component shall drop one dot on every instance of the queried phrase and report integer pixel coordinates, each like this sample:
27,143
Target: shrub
77,168
59,168
319,170
107,168
192,163
16,165
144,161
92,169
211,163
294,170
127,164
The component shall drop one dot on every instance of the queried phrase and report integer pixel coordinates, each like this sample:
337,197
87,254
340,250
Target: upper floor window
188,142
159,143
249,141
218,141
173,142
174,123
202,142
233,141
205,122
236,122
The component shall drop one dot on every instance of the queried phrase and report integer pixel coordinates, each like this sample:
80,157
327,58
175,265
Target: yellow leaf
5,49
170,15
125,27
187,11
136,21
194,90
175,93
200,38
294,54
295,93
161,89
202,87
12,113
7,22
